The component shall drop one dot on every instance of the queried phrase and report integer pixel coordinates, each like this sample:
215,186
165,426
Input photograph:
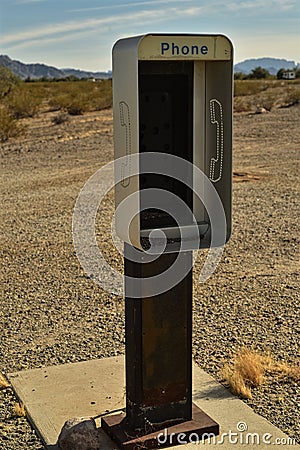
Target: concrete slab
52,395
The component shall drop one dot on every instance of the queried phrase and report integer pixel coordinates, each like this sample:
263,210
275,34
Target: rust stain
172,393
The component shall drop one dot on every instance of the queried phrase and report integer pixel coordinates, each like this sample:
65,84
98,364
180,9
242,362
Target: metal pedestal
158,362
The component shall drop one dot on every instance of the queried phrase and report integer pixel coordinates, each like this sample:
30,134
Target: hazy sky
80,34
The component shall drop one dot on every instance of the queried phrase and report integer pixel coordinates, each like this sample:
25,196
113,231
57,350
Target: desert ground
53,313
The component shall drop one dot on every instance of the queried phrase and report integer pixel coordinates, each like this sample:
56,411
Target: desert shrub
73,103
81,96
56,102
292,97
77,105
243,104
22,104
7,81
60,118
101,95
73,97
268,101
9,127
240,76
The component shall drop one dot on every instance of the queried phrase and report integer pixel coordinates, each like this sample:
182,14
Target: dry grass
19,410
250,368
285,370
236,382
250,87
4,384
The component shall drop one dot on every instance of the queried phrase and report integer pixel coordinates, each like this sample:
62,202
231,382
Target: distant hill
83,74
270,64
35,71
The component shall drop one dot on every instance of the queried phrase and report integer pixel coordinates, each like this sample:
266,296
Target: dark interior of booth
166,126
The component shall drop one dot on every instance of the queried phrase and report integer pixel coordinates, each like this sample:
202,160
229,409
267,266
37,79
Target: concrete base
94,388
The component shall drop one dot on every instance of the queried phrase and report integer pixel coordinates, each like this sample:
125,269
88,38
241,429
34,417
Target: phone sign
184,50
185,47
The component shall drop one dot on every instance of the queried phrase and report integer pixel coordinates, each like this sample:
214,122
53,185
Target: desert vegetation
3,382
71,97
26,99
250,369
249,95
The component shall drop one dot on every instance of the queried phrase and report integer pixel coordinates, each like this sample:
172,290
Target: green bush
259,73
240,76
101,93
9,127
74,104
22,104
7,81
80,96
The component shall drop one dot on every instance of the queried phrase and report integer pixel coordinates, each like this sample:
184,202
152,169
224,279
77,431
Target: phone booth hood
172,102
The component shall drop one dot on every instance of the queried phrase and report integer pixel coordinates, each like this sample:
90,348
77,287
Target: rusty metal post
158,346
158,360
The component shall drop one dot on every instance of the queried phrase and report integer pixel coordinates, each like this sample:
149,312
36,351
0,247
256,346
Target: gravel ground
52,313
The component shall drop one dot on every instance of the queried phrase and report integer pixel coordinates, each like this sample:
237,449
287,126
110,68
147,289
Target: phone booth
172,95
172,101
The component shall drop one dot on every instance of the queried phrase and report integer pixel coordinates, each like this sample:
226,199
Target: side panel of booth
218,158
126,135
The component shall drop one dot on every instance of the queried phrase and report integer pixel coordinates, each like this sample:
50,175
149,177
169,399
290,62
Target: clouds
172,9
24,2
37,28
257,6
57,29
58,32
131,5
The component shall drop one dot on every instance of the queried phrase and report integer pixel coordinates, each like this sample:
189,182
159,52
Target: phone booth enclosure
172,94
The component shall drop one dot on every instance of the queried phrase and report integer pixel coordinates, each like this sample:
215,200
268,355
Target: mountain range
35,71
272,65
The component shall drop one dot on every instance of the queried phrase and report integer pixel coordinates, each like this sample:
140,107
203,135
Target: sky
80,33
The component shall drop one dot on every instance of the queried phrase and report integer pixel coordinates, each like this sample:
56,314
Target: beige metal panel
185,47
126,132
219,86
